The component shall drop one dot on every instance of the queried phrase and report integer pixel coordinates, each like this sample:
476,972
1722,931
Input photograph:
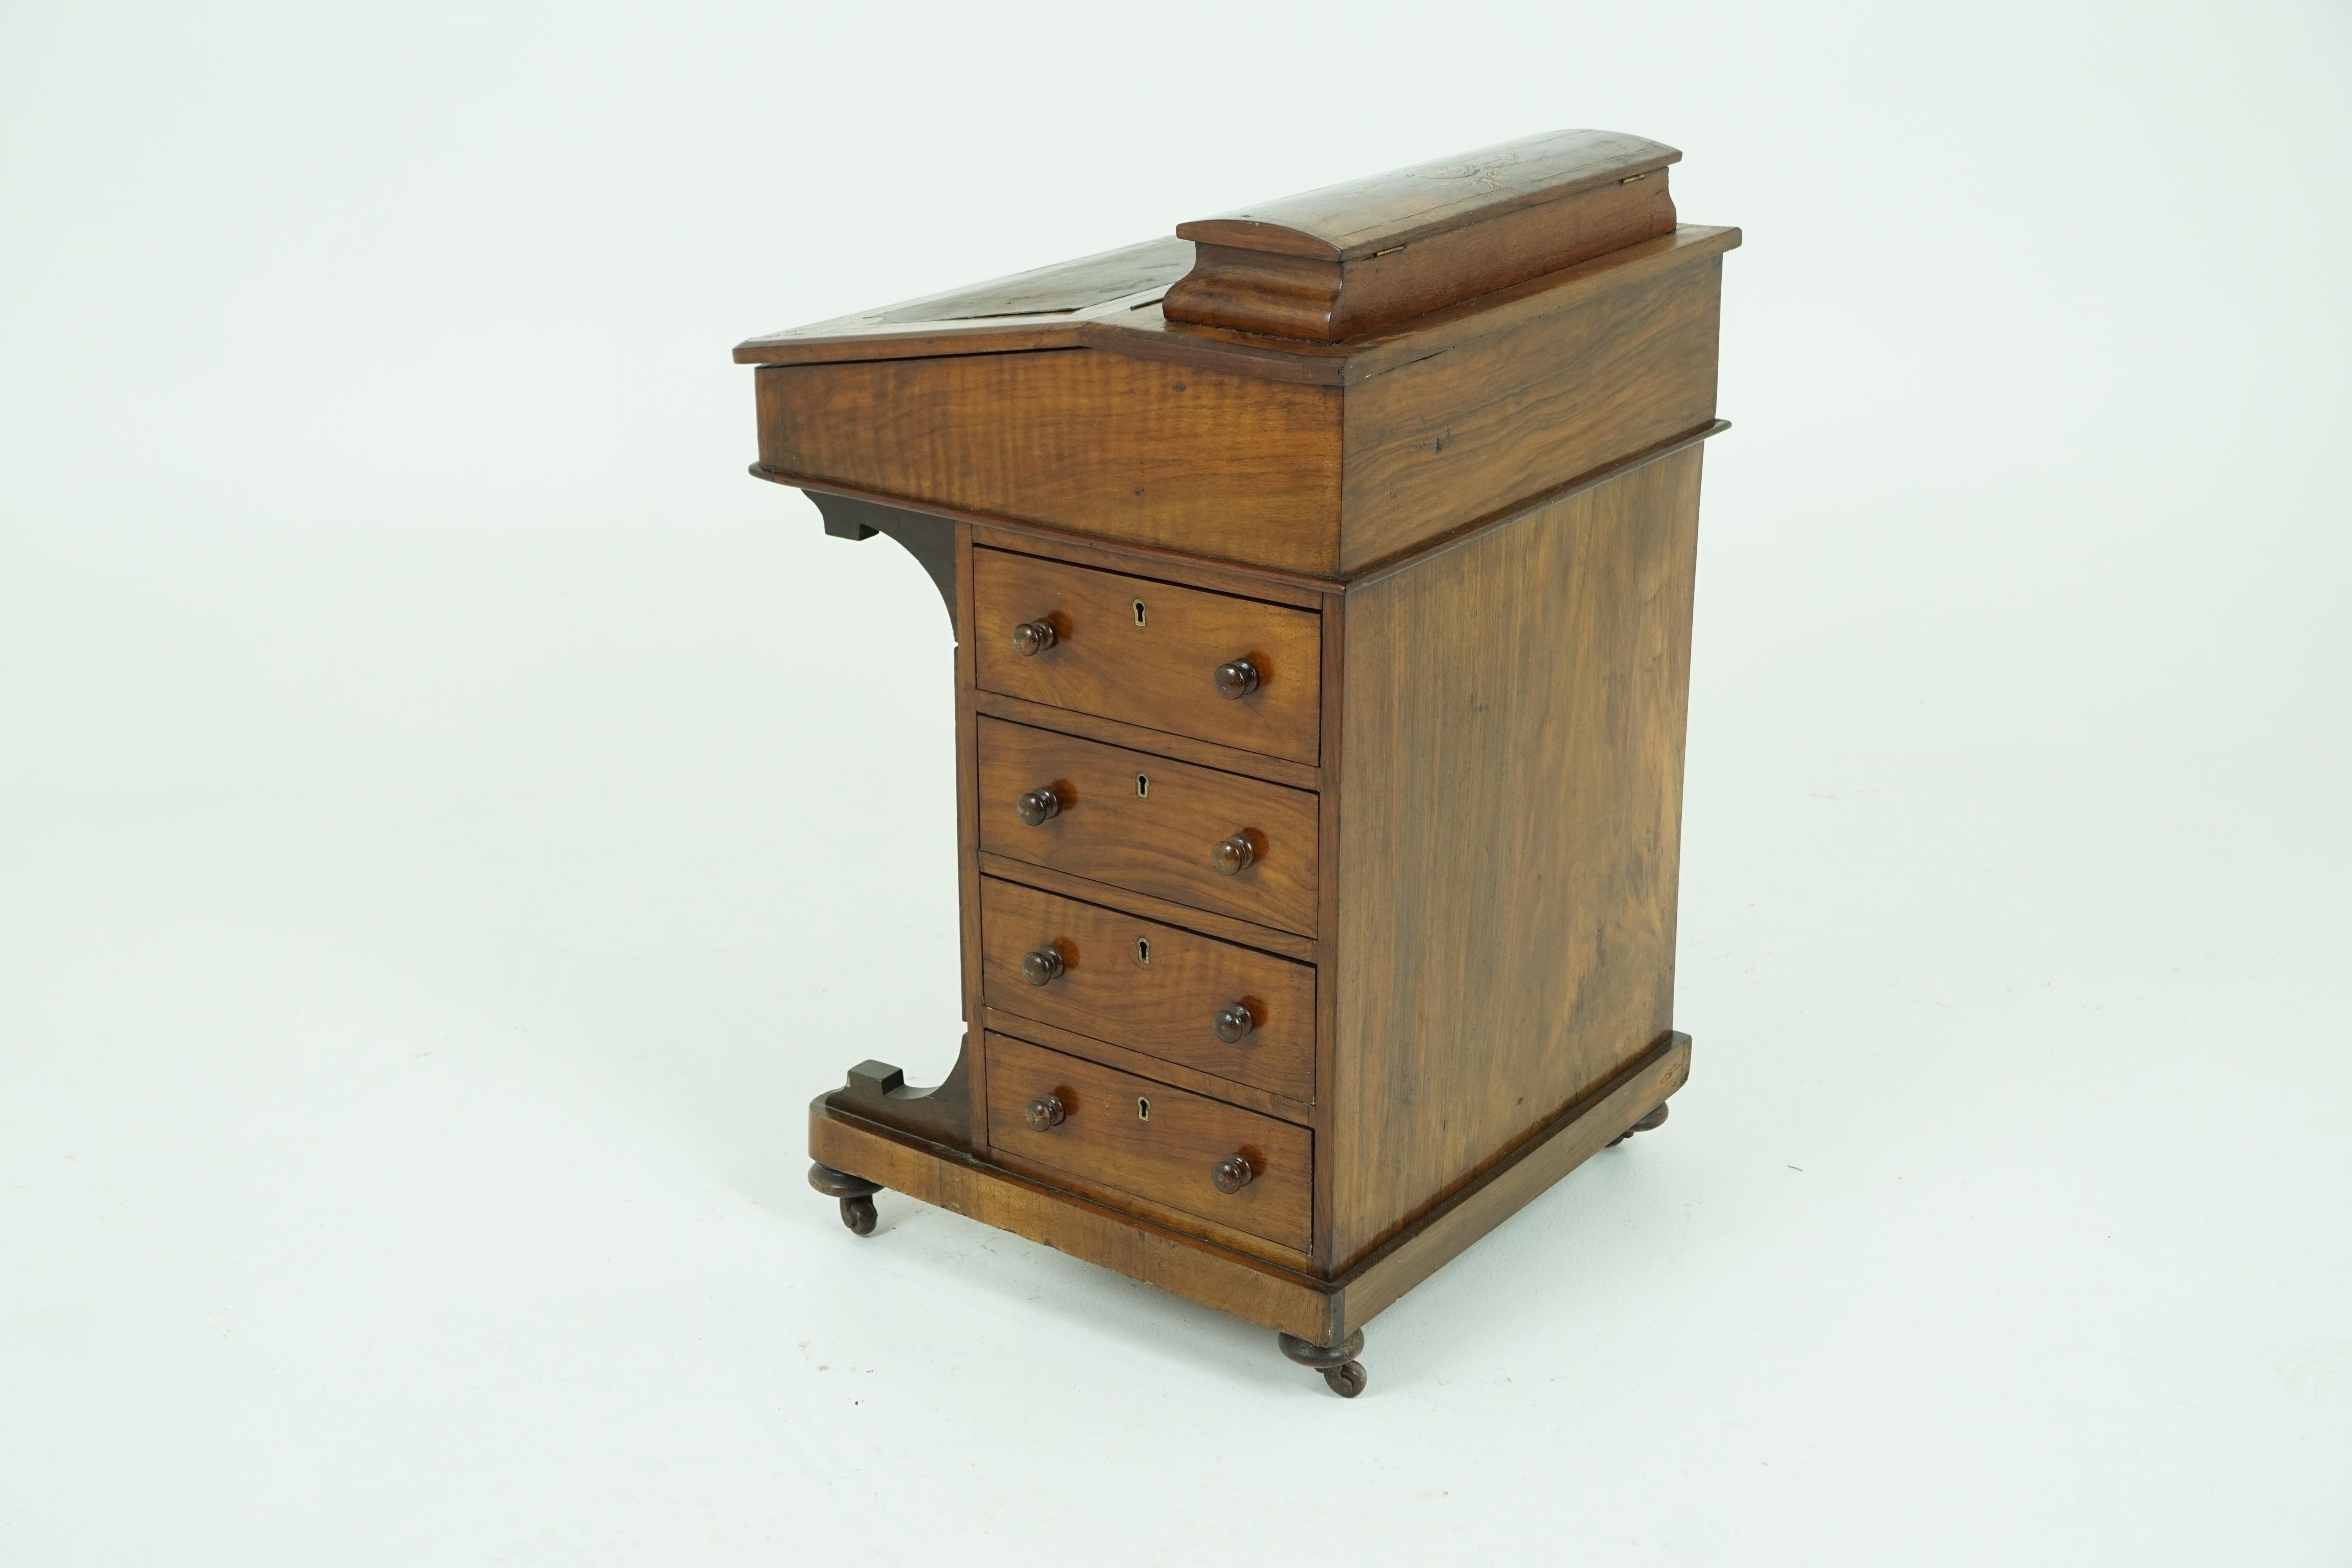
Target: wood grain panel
1153,665
1445,439
1151,987
1155,837
1511,773
1164,1150
1144,451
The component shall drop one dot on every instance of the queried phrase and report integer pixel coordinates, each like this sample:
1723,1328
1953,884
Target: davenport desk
1321,580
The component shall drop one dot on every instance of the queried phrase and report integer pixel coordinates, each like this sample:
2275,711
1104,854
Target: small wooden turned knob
1038,804
1044,1113
1236,679
1031,638
1233,1172
1042,967
1232,1023
1233,855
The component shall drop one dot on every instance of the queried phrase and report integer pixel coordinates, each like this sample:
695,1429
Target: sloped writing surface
1059,290
1038,309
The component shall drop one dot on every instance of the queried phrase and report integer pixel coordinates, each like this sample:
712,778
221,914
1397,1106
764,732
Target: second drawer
1232,1012
1214,840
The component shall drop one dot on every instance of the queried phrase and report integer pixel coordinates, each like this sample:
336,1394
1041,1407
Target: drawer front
1156,666
1150,823
1131,1135
1150,987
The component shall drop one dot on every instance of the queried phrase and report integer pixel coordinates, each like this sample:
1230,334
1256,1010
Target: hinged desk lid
1463,337
1348,258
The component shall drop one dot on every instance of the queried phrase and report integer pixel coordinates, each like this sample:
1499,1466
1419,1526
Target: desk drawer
1143,822
1130,1135
1154,988
1149,653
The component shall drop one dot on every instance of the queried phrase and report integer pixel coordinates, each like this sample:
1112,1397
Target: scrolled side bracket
930,539
877,1091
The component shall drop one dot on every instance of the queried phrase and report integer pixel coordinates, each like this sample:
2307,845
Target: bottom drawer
1132,1135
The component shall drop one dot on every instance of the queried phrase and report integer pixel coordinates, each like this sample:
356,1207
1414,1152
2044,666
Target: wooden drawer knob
1042,967
1038,804
1044,1113
1031,638
1232,1023
1236,679
1233,855
1233,1172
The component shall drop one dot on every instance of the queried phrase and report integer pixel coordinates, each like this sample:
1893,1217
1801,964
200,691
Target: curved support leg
1338,1363
1650,1123
856,1193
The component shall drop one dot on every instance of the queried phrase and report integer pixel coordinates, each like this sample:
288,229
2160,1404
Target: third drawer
1154,988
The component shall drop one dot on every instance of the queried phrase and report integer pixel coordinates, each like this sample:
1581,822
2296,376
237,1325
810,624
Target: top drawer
1149,653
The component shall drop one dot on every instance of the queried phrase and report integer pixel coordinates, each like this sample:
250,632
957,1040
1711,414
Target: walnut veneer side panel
1442,441
1511,768
1143,451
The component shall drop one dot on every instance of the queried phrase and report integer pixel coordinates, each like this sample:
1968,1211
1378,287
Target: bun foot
856,1193
1342,1373
1650,1123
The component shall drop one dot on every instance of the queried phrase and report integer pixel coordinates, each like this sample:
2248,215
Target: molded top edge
1361,217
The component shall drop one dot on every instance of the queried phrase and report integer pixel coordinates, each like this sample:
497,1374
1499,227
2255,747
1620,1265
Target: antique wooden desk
1321,580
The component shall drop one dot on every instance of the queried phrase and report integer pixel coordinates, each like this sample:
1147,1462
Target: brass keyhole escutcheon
1143,786
1138,612
1142,1108
1143,950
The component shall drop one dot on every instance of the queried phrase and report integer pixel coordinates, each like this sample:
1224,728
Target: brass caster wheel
1347,1379
1342,1373
1650,1123
856,1193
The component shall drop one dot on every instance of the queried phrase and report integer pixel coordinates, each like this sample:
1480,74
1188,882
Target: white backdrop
451,818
